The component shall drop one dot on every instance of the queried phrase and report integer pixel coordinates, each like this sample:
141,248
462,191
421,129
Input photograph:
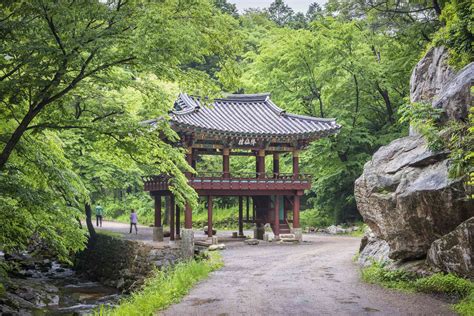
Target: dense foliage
77,78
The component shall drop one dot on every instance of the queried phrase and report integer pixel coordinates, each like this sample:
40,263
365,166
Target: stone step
288,238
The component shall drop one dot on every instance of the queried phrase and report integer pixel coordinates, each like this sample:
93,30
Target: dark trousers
133,224
98,219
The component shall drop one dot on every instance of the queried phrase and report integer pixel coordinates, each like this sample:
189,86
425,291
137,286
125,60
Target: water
54,289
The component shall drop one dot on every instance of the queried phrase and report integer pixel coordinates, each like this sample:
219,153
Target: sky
296,5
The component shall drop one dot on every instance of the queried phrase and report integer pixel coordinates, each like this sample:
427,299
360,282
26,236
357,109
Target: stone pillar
296,163
241,210
226,163
276,165
276,223
209,216
158,228
187,243
258,231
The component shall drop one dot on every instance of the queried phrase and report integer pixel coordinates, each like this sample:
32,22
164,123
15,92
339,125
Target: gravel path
316,277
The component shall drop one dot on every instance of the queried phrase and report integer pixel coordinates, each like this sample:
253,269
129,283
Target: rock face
404,193
455,97
454,252
433,81
373,249
407,199
430,75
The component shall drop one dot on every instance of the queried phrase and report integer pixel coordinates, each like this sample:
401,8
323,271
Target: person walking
99,213
133,221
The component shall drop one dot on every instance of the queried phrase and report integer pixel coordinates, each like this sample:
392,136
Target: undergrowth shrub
444,283
439,283
165,287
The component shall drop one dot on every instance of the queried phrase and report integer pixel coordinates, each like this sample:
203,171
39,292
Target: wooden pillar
241,215
296,164
178,211
166,217
209,216
157,210
276,165
261,163
296,212
276,224
188,217
225,163
248,208
189,160
171,212
254,210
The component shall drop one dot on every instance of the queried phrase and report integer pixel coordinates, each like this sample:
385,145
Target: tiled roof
249,115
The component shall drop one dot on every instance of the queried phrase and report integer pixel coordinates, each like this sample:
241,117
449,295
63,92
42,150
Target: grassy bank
165,288
459,289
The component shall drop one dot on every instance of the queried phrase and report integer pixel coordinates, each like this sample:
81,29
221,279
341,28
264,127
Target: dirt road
316,277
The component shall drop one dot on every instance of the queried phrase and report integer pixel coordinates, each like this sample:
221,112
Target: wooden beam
236,192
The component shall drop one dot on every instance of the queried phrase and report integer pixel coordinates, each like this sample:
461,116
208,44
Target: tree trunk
90,225
388,104
79,222
15,137
321,106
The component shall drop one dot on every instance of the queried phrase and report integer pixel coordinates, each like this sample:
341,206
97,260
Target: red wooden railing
217,180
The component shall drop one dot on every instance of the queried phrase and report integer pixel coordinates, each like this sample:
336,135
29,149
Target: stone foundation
124,264
258,232
186,243
298,232
158,234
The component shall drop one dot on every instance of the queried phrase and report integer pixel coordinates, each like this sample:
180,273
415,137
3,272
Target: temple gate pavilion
248,125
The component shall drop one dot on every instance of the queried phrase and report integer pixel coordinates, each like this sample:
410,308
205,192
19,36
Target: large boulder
406,197
405,194
454,252
372,250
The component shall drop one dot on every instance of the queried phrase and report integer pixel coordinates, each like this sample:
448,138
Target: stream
44,287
